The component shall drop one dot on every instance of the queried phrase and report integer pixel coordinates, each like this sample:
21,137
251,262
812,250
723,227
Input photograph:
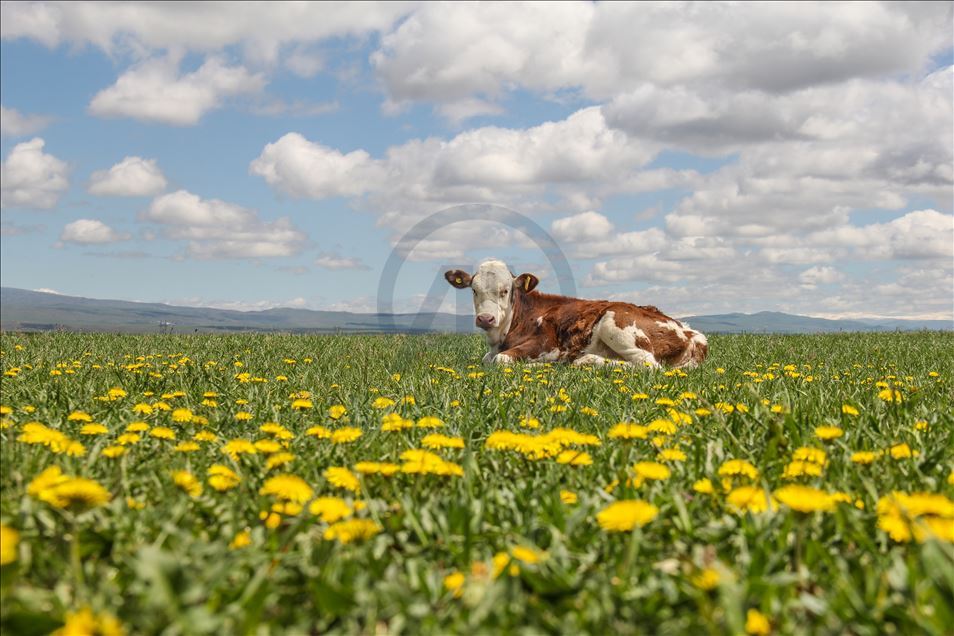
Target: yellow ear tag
526,284
459,281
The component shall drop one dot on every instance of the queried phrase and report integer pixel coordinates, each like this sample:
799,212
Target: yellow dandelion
234,448
287,488
827,433
76,493
750,499
623,516
574,458
848,409
345,435
161,432
318,431
436,440
142,409
79,416
454,583
805,498
352,530
738,468
186,447
279,459
302,404
337,411
113,451
93,429
9,540
187,482
626,430
241,540
84,622
341,477
703,486
706,579
652,470
222,478
376,468
902,451
892,396
330,509
672,455
182,415
757,624
382,403
430,422
568,497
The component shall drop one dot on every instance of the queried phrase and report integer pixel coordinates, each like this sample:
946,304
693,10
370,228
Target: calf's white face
493,287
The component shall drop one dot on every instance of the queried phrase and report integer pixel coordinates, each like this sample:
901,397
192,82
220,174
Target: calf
525,325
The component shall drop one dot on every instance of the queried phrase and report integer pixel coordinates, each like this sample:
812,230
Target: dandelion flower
672,455
187,482
454,583
574,458
738,468
827,433
902,451
527,555
222,478
337,411
287,488
75,492
652,470
865,457
805,498
9,540
376,468
750,499
430,422
352,530
161,432
345,435
279,459
706,579
93,429
382,403
79,416
182,415
626,430
341,477
623,516
568,497
436,440
241,540
330,509
703,486
84,622
757,624
848,409
891,396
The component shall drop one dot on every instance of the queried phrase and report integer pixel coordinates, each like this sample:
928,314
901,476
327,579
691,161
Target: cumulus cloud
13,123
90,232
155,91
262,30
586,226
454,51
336,261
131,177
819,275
217,229
487,164
31,178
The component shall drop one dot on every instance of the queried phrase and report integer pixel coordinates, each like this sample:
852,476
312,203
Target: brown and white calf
525,325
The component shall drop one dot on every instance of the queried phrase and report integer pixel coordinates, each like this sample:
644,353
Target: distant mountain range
25,310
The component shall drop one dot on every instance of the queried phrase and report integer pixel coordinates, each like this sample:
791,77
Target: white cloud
90,232
239,305
31,178
586,226
155,91
140,28
447,52
336,262
487,164
216,229
13,123
131,177
301,168
819,275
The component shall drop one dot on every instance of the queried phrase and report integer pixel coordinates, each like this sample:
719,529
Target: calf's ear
458,278
526,282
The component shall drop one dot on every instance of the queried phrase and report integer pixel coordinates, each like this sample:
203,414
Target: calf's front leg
511,355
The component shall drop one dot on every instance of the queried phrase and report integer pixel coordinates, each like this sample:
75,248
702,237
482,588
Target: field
388,484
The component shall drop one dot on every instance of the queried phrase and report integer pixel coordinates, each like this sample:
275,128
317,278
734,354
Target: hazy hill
25,310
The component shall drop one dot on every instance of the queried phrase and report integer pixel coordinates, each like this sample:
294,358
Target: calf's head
494,288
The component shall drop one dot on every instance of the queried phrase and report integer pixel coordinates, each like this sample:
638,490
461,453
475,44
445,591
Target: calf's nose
485,321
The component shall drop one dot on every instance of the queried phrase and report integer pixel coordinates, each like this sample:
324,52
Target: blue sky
704,158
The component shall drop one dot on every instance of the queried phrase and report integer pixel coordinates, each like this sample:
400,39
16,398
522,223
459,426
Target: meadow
273,484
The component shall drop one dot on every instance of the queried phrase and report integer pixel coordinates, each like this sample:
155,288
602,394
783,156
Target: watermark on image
424,320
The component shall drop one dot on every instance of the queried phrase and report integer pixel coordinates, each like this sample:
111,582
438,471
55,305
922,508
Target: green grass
168,567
